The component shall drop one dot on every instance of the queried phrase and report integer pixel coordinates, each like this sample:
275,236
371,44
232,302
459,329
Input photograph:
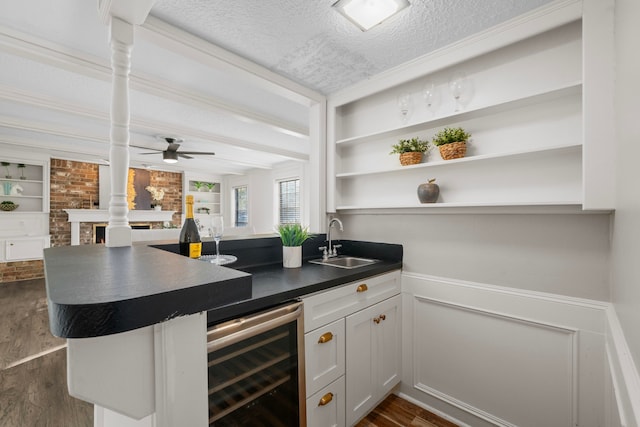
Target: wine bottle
190,243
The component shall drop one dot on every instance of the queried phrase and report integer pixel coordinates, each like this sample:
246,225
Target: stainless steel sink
345,261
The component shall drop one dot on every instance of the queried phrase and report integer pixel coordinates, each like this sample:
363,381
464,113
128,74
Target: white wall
262,197
625,291
561,254
626,229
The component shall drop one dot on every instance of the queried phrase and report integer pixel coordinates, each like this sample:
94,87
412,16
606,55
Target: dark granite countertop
95,290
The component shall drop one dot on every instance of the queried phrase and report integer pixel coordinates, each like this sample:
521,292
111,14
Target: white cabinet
328,341
206,192
326,407
524,105
24,248
373,356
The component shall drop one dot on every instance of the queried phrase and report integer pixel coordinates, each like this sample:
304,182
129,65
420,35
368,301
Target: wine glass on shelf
431,96
404,105
458,86
217,231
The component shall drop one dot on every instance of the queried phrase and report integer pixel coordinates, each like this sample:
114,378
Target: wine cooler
256,370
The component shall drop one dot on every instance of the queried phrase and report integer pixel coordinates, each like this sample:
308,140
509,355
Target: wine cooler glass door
256,370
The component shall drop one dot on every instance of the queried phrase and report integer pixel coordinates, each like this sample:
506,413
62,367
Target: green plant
198,185
210,185
413,145
450,135
293,234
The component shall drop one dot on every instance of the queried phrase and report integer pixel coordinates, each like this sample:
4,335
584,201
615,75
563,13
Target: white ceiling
55,73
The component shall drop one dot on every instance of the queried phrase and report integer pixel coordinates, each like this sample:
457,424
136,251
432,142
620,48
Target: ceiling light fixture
366,14
170,156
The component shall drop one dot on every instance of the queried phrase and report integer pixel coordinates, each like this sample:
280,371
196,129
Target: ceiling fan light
366,14
170,156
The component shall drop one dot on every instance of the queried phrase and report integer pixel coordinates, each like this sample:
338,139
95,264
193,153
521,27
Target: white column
118,231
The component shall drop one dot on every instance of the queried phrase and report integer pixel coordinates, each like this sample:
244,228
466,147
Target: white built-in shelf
20,197
510,103
18,180
506,207
510,155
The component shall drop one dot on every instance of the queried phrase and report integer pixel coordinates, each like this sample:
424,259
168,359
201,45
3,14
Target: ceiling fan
171,154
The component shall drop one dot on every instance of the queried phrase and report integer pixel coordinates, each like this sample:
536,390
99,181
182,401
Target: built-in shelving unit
24,231
28,193
523,103
206,192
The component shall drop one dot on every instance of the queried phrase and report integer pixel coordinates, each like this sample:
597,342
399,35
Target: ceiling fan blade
201,153
173,146
181,154
146,148
156,152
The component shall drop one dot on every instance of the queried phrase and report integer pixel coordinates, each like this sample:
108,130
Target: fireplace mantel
76,216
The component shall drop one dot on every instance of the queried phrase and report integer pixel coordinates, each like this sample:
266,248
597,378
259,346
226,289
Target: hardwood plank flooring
33,371
397,412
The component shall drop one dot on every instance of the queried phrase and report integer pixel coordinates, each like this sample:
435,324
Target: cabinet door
25,249
372,356
324,355
389,344
361,358
326,407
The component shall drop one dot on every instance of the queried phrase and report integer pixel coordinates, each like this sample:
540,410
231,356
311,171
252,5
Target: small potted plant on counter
410,150
292,236
452,143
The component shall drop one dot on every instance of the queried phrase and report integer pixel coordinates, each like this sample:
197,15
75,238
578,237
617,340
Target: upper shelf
574,88
437,163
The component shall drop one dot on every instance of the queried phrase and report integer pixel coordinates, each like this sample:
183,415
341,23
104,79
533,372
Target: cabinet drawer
329,306
324,355
326,407
25,248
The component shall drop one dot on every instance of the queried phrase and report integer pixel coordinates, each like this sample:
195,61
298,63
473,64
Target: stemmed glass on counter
217,231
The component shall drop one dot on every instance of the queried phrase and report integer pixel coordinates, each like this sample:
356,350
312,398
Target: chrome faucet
332,251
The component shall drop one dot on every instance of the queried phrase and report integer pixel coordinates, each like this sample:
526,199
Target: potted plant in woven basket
410,150
452,143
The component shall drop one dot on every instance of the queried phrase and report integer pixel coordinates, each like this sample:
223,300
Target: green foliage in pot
198,185
450,135
210,185
293,234
413,145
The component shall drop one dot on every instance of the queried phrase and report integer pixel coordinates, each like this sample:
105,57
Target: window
289,201
240,213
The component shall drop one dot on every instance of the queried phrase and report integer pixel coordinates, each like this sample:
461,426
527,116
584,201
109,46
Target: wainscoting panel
489,355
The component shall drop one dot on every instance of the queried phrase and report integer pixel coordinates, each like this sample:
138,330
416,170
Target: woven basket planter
455,150
412,158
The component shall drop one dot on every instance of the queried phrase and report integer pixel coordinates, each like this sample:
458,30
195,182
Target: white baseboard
431,409
624,374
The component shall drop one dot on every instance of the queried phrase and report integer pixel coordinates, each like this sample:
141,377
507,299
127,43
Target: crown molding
544,18
43,51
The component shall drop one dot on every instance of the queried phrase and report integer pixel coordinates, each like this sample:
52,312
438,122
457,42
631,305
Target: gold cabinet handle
376,320
326,337
383,317
325,399
362,288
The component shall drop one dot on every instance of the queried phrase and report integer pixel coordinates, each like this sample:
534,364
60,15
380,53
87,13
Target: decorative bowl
8,206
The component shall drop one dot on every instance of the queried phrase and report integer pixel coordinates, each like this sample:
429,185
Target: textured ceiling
311,43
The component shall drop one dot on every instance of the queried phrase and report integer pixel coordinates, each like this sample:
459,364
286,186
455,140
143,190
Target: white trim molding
510,337
625,378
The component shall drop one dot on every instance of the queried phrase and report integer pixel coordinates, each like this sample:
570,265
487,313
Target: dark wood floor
33,368
397,412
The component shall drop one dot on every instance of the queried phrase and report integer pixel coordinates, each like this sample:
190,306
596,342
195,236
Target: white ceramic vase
157,207
292,256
